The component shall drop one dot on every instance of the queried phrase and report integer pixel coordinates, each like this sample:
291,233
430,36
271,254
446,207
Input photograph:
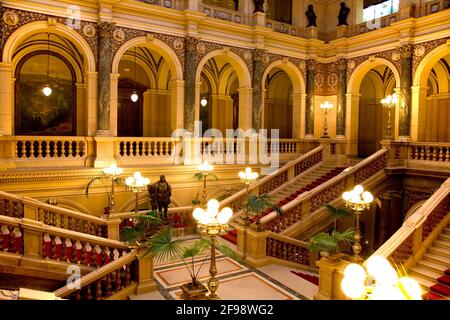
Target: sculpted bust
343,14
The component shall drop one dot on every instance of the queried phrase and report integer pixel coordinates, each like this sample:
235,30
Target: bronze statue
161,195
259,6
311,16
343,14
152,196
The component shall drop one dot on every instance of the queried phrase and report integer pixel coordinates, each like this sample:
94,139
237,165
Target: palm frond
150,218
196,248
347,236
337,213
199,176
323,242
228,252
130,234
255,204
163,247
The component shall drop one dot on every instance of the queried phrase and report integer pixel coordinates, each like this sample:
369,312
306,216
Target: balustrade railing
11,235
419,230
424,151
222,13
105,281
145,147
289,249
281,27
308,202
16,206
161,3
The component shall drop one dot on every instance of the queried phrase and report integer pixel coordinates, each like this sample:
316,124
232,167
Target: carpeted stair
230,236
433,271
308,277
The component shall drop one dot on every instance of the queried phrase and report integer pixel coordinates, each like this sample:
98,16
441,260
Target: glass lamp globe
134,97
47,91
204,102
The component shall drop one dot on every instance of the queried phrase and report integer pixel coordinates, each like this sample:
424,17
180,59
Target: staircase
433,271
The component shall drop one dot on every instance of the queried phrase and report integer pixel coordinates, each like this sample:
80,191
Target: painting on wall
38,114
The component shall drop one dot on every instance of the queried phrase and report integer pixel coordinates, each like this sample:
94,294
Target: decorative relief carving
351,64
89,31
419,51
395,56
119,35
326,78
247,56
427,48
10,18
178,44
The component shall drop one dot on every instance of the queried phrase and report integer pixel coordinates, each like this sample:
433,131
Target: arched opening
144,72
37,113
278,104
221,100
51,61
437,109
70,109
367,118
376,85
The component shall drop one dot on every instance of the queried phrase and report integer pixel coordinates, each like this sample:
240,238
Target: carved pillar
405,92
105,30
396,213
258,69
341,98
383,222
189,85
309,108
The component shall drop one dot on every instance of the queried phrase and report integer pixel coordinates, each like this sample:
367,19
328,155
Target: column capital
115,76
245,90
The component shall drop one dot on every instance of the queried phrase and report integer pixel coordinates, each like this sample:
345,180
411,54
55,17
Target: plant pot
196,291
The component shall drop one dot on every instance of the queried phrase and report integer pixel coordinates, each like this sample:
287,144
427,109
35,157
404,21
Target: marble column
405,92
258,70
105,56
7,99
189,84
341,98
309,108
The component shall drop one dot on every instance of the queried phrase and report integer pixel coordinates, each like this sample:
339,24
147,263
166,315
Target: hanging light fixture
47,90
204,102
134,95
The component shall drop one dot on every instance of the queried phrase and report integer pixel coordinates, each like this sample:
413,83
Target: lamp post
247,177
325,107
212,222
205,169
137,183
113,171
387,285
358,201
389,103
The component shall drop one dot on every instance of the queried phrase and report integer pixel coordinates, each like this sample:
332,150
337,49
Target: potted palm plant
254,205
163,247
328,244
143,227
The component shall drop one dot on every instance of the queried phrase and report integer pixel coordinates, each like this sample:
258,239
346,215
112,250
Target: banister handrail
36,203
309,194
28,224
97,274
268,177
286,239
126,215
414,222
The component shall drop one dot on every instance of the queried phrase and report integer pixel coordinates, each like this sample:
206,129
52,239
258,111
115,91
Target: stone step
425,273
435,267
439,251
442,244
446,231
424,283
437,259
444,237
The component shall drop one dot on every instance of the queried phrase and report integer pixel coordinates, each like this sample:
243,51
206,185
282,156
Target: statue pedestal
259,19
312,32
407,12
342,32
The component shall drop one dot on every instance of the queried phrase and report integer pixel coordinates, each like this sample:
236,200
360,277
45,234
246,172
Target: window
380,10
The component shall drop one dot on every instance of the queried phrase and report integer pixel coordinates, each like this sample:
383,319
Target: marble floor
237,280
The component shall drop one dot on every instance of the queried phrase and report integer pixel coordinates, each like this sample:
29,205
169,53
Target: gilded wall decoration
326,79
126,34
89,30
424,48
10,18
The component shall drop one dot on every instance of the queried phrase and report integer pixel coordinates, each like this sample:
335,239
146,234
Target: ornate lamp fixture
381,282
205,170
134,96
113,171
204,102
325,107
389,103
358,201
47,90
247,177
213,223
137,183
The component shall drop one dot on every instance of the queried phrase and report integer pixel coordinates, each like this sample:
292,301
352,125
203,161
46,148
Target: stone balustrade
222,13
308,202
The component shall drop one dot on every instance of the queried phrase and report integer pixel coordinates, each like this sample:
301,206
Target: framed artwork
36,113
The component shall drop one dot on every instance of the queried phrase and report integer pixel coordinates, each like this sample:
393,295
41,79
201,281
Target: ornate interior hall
219,149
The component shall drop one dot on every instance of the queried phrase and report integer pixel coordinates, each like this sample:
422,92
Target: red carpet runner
310,278
441,290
